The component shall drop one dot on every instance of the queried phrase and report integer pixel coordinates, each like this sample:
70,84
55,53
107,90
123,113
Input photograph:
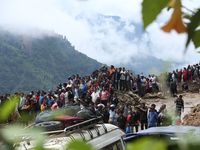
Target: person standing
125,109
180,76
179,105
95,95
122,79
116,78
127,80
115,117
76,91
22,100
104,96
153,117
144,119
134,120
84,89
112,112
138,81
114,100
121,121
153,83
184,75
106,115
41,99
143,85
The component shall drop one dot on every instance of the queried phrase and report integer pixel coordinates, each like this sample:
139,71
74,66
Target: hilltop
39,62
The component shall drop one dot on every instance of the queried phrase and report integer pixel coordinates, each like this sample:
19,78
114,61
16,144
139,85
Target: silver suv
98,135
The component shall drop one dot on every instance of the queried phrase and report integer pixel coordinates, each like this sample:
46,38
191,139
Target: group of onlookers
100,88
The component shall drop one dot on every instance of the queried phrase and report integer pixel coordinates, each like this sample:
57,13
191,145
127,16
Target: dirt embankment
191,97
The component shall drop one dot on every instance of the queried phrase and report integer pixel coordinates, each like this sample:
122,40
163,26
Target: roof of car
171,129
166,131
62,139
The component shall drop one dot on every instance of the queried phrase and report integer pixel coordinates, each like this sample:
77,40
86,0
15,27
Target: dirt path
190,100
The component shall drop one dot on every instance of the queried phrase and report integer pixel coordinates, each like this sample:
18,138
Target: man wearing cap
112,111
99,111
153,117
179,105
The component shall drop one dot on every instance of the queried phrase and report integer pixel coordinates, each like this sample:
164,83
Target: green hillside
29,63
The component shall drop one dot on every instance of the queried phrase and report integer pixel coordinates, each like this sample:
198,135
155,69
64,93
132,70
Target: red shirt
38,98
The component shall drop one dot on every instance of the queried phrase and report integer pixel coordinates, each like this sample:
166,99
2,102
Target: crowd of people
99,92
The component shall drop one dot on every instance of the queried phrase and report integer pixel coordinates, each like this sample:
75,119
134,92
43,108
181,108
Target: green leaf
7,108
187,16
196,39
150,10
79,145
192,26
146,143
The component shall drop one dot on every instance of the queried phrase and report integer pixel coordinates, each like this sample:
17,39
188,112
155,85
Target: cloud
102,38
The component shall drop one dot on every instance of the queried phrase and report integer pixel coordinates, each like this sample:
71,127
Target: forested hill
30,63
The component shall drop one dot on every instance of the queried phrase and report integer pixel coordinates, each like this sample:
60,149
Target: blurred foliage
79,145
147,143
8,108
150,10
39,63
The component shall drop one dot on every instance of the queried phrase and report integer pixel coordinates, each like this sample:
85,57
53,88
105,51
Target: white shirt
66,96
112,114
123,75
95,96
69,85
154,80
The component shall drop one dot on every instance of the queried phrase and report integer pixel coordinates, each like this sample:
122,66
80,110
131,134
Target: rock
193,110
192,119
193,114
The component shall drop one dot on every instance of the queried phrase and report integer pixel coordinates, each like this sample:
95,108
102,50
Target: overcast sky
98,38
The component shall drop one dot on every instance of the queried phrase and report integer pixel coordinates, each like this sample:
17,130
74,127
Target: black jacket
106,116
118,75
114,101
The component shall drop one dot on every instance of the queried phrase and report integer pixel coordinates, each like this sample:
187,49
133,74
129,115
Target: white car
98,136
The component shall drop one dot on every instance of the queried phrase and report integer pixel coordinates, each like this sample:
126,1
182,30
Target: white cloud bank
96,36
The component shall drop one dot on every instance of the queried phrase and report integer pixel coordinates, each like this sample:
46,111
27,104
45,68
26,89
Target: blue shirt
51,102
76,92
84,88
41,100
22,101
152,119
143,80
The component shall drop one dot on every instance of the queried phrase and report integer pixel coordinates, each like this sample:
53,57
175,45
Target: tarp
50,115
69,110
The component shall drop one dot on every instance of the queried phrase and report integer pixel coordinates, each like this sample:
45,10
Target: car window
114,146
